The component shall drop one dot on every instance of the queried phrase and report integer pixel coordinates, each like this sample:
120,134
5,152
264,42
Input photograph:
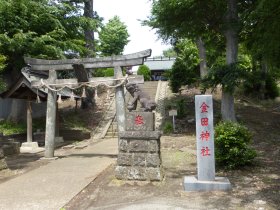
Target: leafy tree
185,69
219,22
113,37
42,29
261,32
91,22
2,67
145,71
260,37
169,53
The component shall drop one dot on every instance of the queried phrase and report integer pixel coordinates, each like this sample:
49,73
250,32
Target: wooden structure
22,89
81,66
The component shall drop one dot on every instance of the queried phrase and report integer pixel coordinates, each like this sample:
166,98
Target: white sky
130,11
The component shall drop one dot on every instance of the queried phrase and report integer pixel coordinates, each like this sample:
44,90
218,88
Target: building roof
162,63
22,89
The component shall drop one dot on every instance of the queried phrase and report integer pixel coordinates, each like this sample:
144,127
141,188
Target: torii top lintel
103,62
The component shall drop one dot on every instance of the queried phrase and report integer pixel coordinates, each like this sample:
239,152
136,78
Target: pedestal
139,149
30,147
191,183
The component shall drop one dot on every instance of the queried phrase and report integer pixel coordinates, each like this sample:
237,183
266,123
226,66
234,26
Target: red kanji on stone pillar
205,151
205,135
204,121
139,120
204,107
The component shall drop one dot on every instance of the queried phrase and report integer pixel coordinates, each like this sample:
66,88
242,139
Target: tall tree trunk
227,108
263,81
89,34
202,57
89,38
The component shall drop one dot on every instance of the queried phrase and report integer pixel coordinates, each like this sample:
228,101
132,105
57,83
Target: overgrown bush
252,86
102,72
232,145
167,128
145,71
185,70
8,127
181,108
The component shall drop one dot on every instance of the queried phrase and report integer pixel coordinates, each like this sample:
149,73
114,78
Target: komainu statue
146,102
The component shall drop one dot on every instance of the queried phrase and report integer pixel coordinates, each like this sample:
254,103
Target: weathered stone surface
137,173
154,174
121,172
125,159
139,149
139,159
138,146
11,149
154,145
3,164
130,173
140,121
152,160
102,62
1,153
141,135
123,145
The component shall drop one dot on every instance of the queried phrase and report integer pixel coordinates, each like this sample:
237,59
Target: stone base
138,173
3,164
58,139
30,147
139,156
191,183
50,158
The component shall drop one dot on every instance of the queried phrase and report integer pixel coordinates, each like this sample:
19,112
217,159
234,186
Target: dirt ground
253,187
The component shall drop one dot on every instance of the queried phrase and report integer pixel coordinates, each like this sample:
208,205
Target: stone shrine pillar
139,149
205,179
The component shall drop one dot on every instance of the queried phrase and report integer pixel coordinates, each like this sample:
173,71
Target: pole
51,118
174,123
120,102
29,121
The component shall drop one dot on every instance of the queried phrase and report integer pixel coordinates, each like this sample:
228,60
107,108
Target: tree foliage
185,70
169,53
41,29
145,71
113,37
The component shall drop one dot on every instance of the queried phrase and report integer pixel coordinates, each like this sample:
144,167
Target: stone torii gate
80,67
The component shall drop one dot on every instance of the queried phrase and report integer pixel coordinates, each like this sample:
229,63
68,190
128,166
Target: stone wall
3,164
139,151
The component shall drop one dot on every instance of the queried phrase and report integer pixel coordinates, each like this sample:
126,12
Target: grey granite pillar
120,101
205,179
29,121
51,118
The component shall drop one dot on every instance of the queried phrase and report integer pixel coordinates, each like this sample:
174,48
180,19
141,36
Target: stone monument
205,179
139,145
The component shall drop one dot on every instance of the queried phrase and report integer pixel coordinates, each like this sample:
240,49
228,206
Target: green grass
9,127
74,121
